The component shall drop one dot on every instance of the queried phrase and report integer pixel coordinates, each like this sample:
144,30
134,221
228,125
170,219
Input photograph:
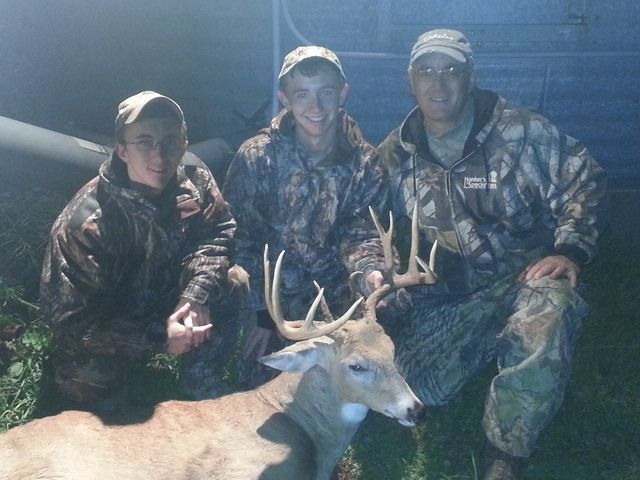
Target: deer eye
356,367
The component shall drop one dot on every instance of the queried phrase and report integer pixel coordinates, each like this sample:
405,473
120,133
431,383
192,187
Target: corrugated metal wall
66,64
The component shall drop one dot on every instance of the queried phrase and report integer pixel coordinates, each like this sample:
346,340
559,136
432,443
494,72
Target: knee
556,294
85,379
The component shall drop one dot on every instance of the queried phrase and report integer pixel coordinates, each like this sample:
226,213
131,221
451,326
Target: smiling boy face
314,101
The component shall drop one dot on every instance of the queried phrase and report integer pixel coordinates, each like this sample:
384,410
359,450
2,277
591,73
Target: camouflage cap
302,53
130,109
449,42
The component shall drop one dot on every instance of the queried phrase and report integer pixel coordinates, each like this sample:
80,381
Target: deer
296,426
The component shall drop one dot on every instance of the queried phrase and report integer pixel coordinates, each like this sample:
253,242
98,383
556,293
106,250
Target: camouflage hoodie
319,215
521,190
116,262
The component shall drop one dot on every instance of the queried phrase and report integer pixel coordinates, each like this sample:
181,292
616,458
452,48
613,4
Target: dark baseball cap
130,109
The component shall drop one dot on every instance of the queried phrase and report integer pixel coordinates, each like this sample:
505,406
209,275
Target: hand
201,313
201,316
182,335
257,342
375,280
554,266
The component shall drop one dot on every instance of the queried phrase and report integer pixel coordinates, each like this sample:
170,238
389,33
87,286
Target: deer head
357,353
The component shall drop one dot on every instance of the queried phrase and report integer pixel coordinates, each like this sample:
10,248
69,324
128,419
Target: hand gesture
182,335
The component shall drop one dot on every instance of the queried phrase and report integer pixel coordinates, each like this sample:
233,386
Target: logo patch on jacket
481,183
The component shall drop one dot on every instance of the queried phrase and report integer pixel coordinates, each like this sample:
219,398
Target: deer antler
308,329
413,276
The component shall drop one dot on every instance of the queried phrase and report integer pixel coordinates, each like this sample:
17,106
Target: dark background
65,65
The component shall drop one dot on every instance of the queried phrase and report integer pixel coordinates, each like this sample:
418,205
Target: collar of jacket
487,108
349,135
114,179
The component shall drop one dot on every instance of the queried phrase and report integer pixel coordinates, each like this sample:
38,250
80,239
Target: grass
595,436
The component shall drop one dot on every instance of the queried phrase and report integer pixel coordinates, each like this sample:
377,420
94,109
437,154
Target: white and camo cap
442,40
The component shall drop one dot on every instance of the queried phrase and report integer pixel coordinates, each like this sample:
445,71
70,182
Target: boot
499,465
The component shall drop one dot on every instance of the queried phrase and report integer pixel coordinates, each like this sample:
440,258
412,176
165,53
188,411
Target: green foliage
24,357
24,227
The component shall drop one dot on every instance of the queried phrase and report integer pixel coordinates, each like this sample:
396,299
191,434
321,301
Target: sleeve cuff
573,253
197,293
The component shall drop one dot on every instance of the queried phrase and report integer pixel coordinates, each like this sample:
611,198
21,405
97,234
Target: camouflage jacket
521,190
319,215
117,263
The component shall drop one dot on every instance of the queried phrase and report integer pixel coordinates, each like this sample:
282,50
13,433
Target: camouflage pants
96,381
529,327
203,368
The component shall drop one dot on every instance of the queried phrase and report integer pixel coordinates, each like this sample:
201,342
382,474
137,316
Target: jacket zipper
447,174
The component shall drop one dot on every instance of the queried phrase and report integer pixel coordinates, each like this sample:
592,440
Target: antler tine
267,280
324,307
386,237
308,329
432,256
412,266
275,297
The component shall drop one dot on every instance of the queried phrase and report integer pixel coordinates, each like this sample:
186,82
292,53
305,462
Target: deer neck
312,402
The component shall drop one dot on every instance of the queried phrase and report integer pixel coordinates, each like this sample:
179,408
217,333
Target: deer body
296,426
181,440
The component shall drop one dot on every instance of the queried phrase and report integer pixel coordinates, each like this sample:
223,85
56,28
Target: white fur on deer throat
353,412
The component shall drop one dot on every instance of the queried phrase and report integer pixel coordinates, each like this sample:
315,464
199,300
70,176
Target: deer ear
299,357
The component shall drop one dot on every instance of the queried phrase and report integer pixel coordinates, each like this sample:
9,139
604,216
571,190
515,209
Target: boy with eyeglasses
137,261
304,185
516,208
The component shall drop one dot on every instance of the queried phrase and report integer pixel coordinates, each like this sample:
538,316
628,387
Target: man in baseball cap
304,184
516,218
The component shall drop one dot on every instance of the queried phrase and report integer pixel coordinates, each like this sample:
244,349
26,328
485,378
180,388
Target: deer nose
417,413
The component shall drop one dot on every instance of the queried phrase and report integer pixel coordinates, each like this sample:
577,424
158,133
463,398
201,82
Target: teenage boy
304,185
137,258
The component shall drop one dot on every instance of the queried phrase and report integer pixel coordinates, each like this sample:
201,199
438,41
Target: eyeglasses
452,73
167,146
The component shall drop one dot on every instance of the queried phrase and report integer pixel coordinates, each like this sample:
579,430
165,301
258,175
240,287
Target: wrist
573,253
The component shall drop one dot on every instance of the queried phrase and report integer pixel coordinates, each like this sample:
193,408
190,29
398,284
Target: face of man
314,102
441,86
152,150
